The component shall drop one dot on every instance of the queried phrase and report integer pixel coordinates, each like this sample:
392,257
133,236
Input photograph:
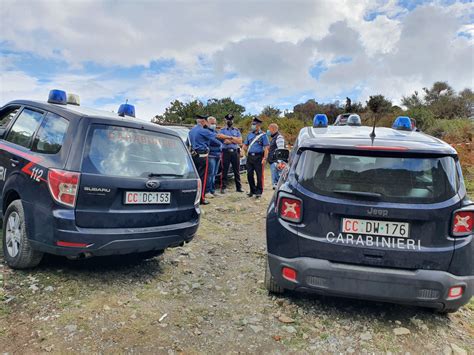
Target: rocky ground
206,297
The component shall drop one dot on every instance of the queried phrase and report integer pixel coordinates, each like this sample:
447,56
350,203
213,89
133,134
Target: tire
17,249
270,283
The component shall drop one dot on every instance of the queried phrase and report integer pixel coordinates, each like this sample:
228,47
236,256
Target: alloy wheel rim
13,233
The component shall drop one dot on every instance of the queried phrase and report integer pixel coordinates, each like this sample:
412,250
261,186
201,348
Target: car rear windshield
129,152
390,179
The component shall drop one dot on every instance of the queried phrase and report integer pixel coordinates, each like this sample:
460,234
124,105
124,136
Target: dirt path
206,297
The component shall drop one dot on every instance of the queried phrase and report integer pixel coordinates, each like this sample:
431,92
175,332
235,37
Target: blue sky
277,53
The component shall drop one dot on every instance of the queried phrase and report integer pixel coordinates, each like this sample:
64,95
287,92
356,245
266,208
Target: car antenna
372,134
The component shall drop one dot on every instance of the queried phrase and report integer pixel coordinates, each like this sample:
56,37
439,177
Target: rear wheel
16,246
270,283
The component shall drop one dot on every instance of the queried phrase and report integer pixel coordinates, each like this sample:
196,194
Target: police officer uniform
230,155
215,152
199,139
256,142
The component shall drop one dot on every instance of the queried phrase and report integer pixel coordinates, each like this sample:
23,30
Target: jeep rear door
388,209
134,178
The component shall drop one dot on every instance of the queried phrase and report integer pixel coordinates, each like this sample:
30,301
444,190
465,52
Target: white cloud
223,48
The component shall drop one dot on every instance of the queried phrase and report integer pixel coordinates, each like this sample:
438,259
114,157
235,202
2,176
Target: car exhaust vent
317,281
427,294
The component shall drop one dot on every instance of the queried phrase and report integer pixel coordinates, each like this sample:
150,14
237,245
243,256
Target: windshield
123,151
390,179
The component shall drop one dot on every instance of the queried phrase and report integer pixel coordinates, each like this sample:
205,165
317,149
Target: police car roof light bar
402,123
320,120
57,97
73,99
126,110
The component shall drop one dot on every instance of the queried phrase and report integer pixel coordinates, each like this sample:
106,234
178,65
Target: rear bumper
426,288
113,241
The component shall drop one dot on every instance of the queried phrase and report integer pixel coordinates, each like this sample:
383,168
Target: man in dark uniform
199,139
256,145
231,153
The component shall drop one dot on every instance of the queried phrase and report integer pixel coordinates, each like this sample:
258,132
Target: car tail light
455,292
198,193
289,274
290,209
61,243
63,186
463,223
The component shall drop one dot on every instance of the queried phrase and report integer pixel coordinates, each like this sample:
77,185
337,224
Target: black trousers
229,158
254,165
201,166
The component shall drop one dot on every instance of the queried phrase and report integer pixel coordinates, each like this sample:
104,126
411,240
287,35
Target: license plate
147,198
371,227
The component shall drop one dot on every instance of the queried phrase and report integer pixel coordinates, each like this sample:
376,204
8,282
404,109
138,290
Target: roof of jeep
81,111
358,138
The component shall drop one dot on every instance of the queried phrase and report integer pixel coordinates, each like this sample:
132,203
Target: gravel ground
206,297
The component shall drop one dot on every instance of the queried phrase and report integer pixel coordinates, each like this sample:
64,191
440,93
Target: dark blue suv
381,218
79,182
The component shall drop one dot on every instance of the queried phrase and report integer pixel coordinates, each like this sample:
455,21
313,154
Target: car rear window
129,152
390,179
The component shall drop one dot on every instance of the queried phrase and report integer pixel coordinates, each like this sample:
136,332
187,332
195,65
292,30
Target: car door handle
14,162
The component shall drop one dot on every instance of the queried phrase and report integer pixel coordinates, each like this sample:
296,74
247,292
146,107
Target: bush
423,116
452,131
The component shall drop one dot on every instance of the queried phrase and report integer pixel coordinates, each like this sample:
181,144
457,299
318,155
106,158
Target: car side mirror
282,154
2,133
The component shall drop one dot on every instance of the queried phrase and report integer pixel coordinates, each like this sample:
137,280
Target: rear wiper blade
358,193
163,174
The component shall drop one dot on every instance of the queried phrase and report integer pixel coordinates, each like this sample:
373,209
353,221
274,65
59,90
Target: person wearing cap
215,150
256,145
231,153
199,139
277,142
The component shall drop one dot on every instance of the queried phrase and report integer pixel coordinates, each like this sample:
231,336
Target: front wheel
270,283
16,246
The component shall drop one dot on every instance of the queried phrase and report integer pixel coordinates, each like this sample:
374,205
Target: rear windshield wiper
163,174
358,193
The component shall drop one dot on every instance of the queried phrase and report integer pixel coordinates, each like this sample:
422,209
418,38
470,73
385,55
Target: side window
24,127
50,136
7,115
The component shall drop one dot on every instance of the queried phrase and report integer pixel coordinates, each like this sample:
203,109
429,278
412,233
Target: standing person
215,150
256,145
231,153
199,139
277,142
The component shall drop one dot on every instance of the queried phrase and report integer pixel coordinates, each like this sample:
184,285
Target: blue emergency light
57,97
126,110
320,120
402,123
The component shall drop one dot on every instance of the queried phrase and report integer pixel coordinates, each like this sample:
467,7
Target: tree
466,102
438,90
379,105
412,101
270,111
182,113
221,107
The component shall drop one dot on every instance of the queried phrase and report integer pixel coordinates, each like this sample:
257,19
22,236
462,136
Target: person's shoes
258,196
210,195
240,190
250,194
204,202
223,191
